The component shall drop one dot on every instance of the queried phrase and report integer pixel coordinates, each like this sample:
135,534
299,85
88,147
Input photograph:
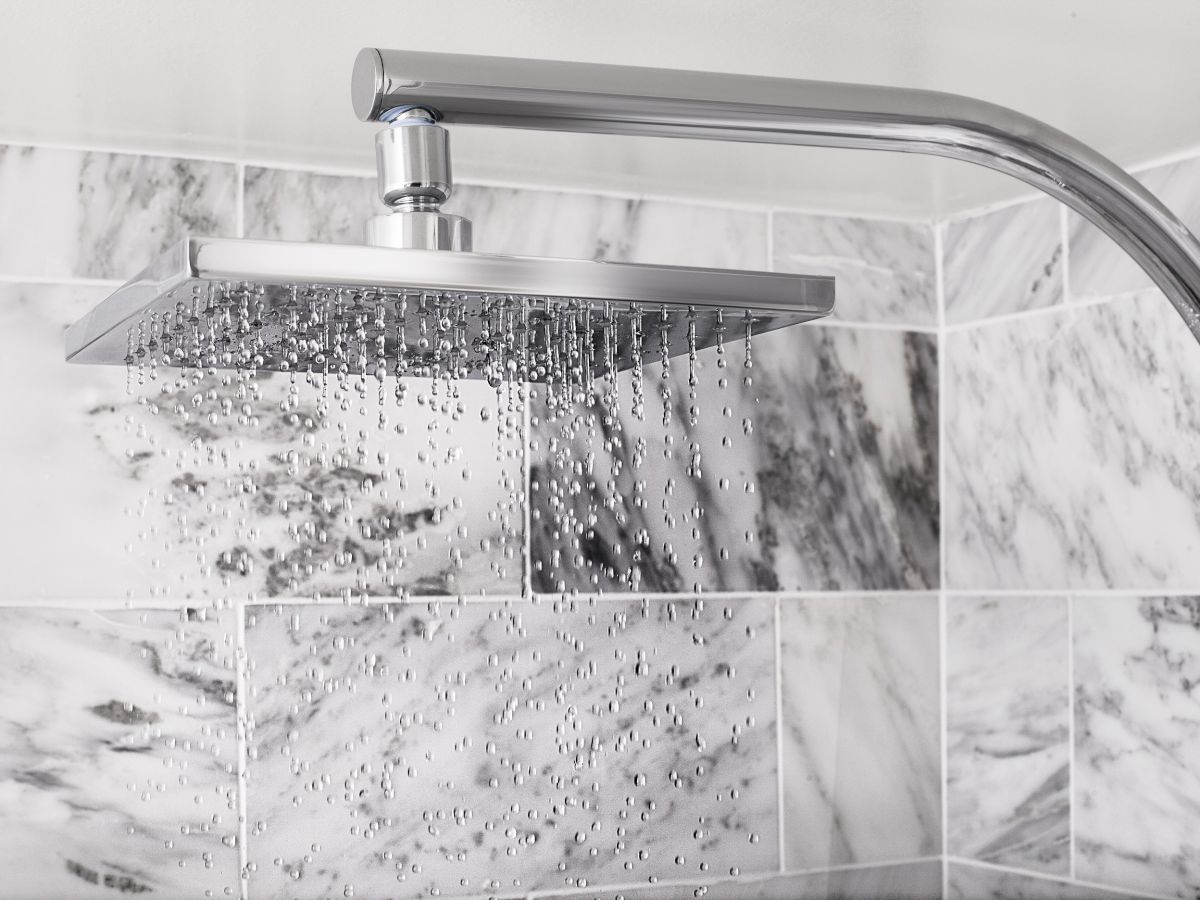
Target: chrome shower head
416,300
343,309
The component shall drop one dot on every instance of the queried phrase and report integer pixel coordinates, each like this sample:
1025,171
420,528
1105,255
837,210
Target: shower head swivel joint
412,155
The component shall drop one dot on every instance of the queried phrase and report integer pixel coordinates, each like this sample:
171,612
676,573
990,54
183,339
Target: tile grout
1071,736
748,879
1058,309
944,736
939,245
108,603
1115,890
241,701
781,819
538,597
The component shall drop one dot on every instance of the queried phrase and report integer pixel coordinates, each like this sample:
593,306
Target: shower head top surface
286,306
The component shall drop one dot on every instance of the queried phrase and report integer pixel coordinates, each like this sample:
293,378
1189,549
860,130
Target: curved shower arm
582,97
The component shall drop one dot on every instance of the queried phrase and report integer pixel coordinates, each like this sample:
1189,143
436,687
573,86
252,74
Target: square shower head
284,306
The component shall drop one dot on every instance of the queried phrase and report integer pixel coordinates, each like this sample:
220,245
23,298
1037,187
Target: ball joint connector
412,155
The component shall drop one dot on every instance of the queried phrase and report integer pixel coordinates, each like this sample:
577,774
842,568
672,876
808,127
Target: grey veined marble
1137,740
820,474
861,744
885,271
1005,261
118,754
487,748
73,213
176,490
304,206
1070,446
1007,722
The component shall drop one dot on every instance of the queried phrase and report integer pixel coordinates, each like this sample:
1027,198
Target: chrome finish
691,300
402,230
413,161
412,157
562,96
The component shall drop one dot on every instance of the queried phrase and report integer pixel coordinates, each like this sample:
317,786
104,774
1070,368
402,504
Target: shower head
416,300
286,306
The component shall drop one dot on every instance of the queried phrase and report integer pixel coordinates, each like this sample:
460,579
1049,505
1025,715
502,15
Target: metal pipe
581,97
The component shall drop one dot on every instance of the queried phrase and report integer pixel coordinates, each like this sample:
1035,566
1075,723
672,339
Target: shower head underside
345,309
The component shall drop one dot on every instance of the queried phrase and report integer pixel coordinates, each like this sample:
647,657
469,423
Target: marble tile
1070,442
1098,267
159,505
1137,739
967,882
822,474
501,748
1007,741
587,226
1002,262
291,205
861,720
72,213
906,881
118,756
885,271
295,205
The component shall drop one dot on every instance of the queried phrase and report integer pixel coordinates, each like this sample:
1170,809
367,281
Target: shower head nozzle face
354,310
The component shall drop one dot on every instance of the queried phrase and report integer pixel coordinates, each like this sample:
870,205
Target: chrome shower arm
562,96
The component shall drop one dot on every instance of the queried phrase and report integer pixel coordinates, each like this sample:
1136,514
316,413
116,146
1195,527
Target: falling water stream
351,467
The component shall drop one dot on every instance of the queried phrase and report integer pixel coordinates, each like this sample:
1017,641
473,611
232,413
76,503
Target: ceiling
269,80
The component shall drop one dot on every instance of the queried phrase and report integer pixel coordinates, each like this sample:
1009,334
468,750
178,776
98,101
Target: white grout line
1076,592
741,595
1045,311
710,881
979,212
1115,890
527,512
410,600
943,681
1071,735
106,603
174,603
241,698
779,794
1168,159
939,243
827,213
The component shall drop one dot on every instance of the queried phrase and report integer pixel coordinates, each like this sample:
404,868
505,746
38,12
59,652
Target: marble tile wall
885,271
118,753
819,475
1004,261
1069,441
577,743
1008,731
1071,523
398,678
869,739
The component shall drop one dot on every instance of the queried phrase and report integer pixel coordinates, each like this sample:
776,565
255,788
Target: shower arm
591,98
